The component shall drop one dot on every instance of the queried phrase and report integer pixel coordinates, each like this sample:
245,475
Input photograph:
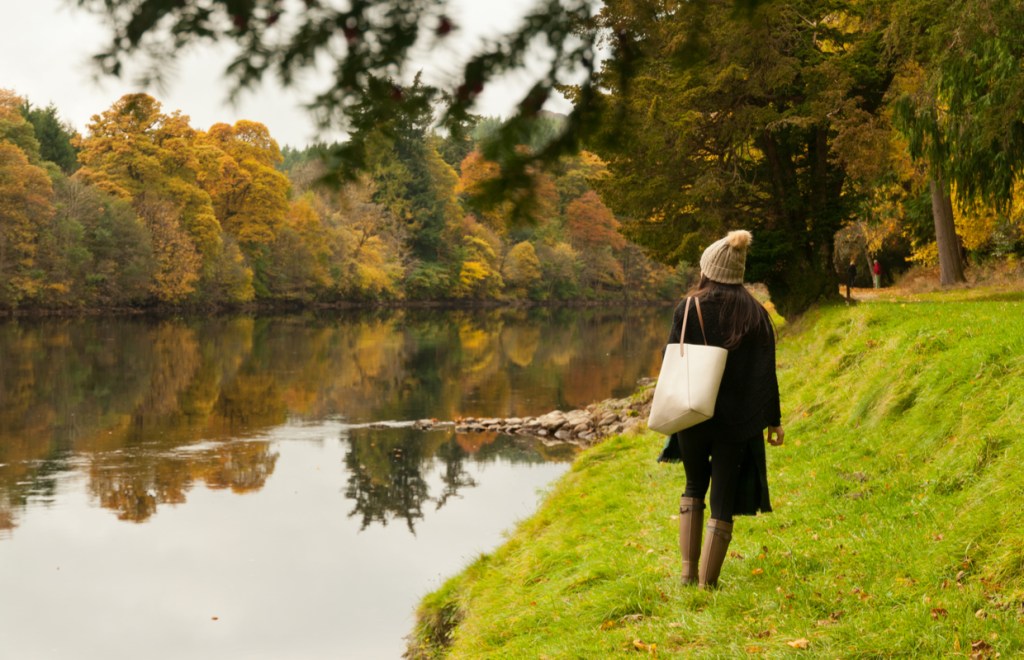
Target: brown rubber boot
691,527
712,554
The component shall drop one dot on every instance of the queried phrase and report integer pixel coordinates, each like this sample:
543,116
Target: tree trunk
951,268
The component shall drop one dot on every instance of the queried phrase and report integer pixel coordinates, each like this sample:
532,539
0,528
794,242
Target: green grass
897,528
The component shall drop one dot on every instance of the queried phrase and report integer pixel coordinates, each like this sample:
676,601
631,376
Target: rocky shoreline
582,427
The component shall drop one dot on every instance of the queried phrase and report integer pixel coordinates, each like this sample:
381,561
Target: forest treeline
144,209
836,132
839,130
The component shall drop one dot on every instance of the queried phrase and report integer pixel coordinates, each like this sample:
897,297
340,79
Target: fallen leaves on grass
860,593
649,648
801,643
980,649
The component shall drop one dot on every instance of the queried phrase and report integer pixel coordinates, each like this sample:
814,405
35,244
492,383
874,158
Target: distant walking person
851,276
727,452
876,274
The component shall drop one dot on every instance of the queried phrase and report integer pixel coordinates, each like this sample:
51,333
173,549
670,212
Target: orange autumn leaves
580,249
206,197
152,211
25,202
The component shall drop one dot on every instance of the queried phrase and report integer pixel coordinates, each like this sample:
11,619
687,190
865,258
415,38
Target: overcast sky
46,45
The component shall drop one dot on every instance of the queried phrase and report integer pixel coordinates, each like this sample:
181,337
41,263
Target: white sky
46,46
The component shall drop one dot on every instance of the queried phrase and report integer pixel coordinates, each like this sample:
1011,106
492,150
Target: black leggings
715,463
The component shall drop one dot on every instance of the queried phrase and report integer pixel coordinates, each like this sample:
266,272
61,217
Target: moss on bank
896,531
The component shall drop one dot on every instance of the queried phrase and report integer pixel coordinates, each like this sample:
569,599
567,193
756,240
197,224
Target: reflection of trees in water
130,390
386,478
453,475
41,487
387,470
134,485
6,518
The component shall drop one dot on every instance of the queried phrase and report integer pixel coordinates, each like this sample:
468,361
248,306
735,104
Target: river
220,488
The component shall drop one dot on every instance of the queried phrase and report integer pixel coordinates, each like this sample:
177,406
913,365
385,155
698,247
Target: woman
727,451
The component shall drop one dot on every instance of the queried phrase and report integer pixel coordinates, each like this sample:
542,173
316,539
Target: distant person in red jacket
876,274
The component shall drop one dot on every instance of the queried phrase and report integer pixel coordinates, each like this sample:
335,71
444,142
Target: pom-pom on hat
725,260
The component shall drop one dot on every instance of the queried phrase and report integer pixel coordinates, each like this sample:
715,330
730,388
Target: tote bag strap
686,316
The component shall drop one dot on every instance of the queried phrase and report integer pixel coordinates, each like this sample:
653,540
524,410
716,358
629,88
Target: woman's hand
775,435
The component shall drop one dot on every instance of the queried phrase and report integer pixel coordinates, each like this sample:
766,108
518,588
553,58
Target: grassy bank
897,529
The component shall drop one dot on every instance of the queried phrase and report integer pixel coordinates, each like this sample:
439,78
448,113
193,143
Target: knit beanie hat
725,260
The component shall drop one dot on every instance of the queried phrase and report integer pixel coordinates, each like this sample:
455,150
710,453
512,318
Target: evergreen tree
734,120
56,137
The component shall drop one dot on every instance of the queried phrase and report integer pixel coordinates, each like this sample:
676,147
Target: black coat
748,400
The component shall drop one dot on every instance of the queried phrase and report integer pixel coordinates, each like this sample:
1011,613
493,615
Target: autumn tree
15,129
479,271
374,241
300,257
250,196
26,203
592,224
372,94
117,246
368,46
178,263
560,268
576,175
475,172
136,152
516,213
522,269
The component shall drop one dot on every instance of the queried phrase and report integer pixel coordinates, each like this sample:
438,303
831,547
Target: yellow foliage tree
14,128
475,173
178,263
539,205
137,152
479,274
249,195
301,255
522,268
26,202
560,264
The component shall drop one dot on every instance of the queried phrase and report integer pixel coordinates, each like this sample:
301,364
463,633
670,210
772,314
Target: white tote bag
688,383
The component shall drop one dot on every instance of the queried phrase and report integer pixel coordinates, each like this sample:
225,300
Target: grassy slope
897,528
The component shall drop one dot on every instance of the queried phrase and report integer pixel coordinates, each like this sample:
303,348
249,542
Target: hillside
896,529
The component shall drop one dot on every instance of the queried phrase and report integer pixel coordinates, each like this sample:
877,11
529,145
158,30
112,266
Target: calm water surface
215,489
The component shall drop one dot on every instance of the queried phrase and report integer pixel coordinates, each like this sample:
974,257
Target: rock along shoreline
582,427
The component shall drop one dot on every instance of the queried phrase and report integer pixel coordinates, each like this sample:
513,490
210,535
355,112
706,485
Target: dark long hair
740,313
